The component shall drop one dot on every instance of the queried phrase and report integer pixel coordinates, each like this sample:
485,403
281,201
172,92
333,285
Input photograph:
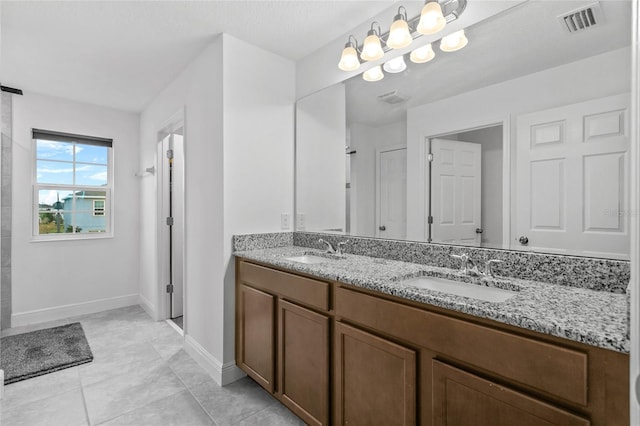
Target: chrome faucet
330,248
469,267
337,249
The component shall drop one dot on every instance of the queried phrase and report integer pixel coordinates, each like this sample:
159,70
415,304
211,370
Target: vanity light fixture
399,34
453,42
422,54
349,60
372,47
373,74
431,18
395,65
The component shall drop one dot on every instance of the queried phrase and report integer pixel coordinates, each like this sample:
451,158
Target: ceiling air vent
581,19
392,97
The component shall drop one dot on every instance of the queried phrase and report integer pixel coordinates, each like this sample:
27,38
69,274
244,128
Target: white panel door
572,173
456,192
391,197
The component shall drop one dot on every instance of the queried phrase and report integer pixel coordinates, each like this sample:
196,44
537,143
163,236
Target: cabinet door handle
382,228
523,240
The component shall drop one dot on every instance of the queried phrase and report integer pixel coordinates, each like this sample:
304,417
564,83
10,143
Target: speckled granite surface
574,271
262,241
597,318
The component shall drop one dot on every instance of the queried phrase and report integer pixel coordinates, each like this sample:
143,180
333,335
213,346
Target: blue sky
55,163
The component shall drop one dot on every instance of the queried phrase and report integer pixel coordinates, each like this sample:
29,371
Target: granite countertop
596,318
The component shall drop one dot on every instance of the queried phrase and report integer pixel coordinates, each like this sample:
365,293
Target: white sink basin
474,291
309,259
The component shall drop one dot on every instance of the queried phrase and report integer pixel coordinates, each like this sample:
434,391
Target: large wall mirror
518,141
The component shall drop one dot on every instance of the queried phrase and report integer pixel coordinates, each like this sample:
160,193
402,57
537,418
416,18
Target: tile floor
140,376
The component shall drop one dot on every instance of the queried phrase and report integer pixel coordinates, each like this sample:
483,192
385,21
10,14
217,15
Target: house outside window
73,185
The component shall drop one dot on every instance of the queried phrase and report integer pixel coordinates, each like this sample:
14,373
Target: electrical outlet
300,221
284,221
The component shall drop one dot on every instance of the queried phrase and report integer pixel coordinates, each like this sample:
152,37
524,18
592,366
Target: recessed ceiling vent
581,19
392,97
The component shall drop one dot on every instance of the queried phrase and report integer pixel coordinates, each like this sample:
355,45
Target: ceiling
517,42
121,54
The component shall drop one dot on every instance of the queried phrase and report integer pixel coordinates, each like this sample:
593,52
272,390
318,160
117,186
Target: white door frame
634,255
379,151
506,169
163,306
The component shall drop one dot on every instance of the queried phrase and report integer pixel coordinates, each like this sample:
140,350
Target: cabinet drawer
461,398
304,290
556,370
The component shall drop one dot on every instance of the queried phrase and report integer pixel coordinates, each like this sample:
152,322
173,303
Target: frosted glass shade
431,19
422,54
373,74
349,59
395,65
399,35
453,42
372,49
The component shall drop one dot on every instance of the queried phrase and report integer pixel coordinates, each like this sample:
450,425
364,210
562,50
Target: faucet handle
488,266
464,258
340,246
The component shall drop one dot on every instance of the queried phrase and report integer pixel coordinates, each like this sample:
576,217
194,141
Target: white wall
239,102
590,78
259,96
320,159
50,275
197,90
366,140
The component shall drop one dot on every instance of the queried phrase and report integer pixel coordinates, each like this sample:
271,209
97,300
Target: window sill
83,237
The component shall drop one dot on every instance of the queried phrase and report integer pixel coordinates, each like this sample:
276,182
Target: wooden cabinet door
463,399
375,380
303,362
255,328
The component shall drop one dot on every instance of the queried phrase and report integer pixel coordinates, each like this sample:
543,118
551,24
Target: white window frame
37,187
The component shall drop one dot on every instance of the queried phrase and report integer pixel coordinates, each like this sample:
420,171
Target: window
73,185
98,207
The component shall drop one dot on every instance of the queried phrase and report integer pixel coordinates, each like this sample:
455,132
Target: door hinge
430,219
169,288
169,154
170,221
430,157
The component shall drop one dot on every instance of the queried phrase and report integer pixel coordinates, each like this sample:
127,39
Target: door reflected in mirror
518,141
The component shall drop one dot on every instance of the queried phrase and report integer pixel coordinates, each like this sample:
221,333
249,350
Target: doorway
465,187
391,192
171,225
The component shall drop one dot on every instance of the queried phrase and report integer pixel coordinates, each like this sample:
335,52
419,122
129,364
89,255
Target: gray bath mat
28,355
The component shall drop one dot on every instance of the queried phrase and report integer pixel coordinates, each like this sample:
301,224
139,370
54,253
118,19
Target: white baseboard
148,307
223,374
66,311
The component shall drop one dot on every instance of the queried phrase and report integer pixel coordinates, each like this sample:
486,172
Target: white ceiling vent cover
392,97
581,19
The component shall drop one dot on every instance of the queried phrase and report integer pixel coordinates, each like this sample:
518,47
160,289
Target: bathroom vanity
352,341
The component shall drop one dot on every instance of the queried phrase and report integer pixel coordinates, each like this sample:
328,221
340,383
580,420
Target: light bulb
349,59
431,19
395,65
453,42
373,74
422,54
371,50
399,35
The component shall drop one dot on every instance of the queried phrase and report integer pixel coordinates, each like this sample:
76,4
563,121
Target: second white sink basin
309,259
474,291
